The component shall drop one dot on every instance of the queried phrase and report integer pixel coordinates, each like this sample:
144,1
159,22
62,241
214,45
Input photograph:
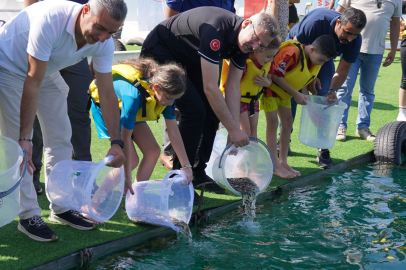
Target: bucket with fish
319,121
167,202
88,187
243,169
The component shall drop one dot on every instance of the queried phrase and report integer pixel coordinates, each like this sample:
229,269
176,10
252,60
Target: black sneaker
35,228
211,185
323,157
35,181
73,219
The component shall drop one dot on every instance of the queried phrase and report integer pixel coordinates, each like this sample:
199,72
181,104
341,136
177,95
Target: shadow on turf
377,105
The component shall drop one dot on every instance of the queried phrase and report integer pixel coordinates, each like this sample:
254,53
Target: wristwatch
119,142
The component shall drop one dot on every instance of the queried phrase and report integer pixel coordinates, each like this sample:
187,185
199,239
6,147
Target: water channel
351,220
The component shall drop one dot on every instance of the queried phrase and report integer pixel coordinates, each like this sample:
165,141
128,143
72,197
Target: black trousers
198,118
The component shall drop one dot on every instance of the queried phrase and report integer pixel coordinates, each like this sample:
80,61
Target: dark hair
355,16
170,77
325,45
275,43
403,7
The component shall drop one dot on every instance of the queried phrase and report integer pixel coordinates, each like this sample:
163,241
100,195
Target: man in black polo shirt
199,39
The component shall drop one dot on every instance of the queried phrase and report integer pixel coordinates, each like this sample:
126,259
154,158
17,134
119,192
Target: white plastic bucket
319,123
87,187
254,161
11,157
220,142
157,201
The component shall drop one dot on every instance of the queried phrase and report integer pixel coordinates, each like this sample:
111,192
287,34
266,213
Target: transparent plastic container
87,187
157,201
254,161
319,123
11,157
220,142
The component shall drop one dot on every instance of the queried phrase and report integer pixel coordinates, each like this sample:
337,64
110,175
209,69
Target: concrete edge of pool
76,259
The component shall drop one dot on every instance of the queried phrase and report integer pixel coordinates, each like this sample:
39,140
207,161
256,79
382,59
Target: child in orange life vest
294,67
254,78
159,86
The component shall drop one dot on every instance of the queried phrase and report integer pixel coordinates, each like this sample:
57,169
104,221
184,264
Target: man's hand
389,59
27,145
119,158
331,98
312,86
300,99
239,138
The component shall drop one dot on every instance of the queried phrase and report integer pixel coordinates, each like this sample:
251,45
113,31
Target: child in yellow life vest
145,90
294,67
254,78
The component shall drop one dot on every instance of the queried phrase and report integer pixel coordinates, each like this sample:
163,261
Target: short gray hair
267,22
116,8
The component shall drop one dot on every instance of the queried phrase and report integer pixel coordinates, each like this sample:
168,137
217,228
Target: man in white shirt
34,46
381,16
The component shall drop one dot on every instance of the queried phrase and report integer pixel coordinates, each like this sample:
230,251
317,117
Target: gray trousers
78,78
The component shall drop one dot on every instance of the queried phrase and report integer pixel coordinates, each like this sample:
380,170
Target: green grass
19,252
132,47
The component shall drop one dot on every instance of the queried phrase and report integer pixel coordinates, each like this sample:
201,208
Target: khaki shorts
270,104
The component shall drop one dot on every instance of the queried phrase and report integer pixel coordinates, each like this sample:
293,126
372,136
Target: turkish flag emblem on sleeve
215,44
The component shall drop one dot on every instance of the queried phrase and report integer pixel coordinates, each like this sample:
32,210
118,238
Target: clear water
352,220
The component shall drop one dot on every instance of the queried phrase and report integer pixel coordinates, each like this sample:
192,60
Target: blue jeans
369,65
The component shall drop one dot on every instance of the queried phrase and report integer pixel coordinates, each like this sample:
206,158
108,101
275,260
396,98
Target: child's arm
177,144
299,97
264,81
128,143
305,91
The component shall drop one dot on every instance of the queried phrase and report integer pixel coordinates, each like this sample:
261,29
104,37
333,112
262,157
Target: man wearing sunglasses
381,15
199,39
345,29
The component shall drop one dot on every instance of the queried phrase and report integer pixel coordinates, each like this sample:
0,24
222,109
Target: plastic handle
338,100
252,139
5,193
166,178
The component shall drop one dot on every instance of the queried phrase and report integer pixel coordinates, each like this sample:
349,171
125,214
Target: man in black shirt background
198,40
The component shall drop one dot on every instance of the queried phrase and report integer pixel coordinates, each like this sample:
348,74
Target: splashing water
249,191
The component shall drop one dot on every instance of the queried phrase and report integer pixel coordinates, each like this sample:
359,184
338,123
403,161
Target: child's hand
300,99
262,81
128,185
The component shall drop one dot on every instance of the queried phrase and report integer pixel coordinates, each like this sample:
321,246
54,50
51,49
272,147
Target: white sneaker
341,134
401,117
366,134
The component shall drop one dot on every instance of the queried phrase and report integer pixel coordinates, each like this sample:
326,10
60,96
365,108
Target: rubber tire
118,46
390,142
136,41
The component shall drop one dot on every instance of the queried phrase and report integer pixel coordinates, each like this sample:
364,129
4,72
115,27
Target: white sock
402,110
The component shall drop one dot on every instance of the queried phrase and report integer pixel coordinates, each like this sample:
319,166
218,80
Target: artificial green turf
19,252
132,47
